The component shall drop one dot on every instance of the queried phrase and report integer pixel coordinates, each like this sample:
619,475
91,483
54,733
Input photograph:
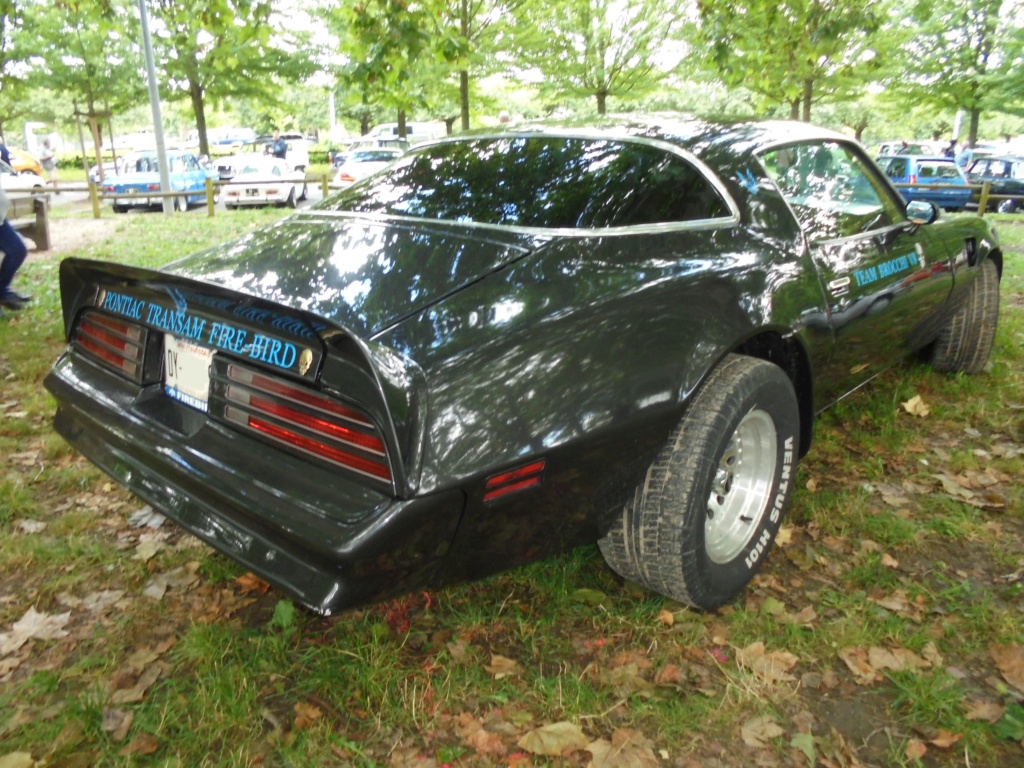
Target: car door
881,273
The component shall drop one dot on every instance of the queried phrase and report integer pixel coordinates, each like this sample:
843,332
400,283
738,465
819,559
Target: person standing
964,156
12,250
278,147
48,159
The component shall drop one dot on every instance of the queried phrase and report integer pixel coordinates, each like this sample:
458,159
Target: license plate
252,193
187,372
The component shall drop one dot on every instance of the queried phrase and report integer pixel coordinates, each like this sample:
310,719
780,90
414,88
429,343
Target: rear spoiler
287,342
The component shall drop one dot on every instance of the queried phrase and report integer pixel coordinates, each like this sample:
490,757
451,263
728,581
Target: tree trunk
401,124
808,95
794,109
464,98
972,135
602,99
195,92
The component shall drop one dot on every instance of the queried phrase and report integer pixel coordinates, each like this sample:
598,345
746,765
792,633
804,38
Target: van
952,192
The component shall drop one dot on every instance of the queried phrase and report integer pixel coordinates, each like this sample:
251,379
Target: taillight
913,178
305,420
113,342
346,177
153,187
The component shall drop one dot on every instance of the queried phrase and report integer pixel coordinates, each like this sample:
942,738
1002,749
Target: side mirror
922,212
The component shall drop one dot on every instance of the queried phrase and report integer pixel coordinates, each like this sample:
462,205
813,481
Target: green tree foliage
390,49
599,48
12,80
793,52
961,55
480,26
219,49
82,49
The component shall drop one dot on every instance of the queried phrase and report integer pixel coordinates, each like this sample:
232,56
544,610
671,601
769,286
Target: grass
881,555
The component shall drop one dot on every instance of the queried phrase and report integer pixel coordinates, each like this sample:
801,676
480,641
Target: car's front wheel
290,202
305,192
704,518
181,203
965,341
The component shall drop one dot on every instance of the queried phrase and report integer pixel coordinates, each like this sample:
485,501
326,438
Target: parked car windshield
539,181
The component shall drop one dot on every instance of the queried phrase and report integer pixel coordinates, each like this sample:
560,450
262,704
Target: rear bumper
326,540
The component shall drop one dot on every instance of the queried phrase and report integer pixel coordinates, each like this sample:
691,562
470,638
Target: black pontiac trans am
508,344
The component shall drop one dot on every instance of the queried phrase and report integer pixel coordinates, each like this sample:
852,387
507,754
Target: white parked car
26,181
262,180
353,166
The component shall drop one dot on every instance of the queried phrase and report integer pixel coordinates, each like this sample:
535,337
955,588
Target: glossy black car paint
480,349
1005,175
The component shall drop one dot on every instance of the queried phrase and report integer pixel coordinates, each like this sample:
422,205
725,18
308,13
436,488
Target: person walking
48,159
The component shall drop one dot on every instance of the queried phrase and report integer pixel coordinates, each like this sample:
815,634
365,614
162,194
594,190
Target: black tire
733,457
181,204
120,209
305,192
290,202
1008,206
965,342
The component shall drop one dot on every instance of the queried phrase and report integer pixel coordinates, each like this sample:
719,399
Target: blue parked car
917,169
140,173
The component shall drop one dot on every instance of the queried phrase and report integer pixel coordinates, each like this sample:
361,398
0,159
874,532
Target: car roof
718,141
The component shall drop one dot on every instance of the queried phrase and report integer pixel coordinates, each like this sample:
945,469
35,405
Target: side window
897,169
832,189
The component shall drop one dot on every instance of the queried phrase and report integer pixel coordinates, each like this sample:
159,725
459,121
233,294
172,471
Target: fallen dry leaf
473,732
250,582
502,666
772,667
627,749
305,715
555,740
1010,660
915,406
944,739
856,660
143,744
34,625
915,749
895,659
980,709
17,760
667,618
759,731
116,722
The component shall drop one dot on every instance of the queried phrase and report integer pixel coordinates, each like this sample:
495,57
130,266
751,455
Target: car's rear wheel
181,203
1008,206
703,520
305,192
120,209
290,202
965,342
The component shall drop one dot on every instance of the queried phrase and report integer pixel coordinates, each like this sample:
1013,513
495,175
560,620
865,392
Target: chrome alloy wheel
741,488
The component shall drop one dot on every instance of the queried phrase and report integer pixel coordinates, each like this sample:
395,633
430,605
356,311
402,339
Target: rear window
539,182
937,170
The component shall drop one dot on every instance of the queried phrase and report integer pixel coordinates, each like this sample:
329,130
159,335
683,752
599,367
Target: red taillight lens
346,177
305,420
153,187
115,343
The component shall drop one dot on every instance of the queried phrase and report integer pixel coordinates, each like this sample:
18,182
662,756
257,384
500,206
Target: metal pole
154,102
